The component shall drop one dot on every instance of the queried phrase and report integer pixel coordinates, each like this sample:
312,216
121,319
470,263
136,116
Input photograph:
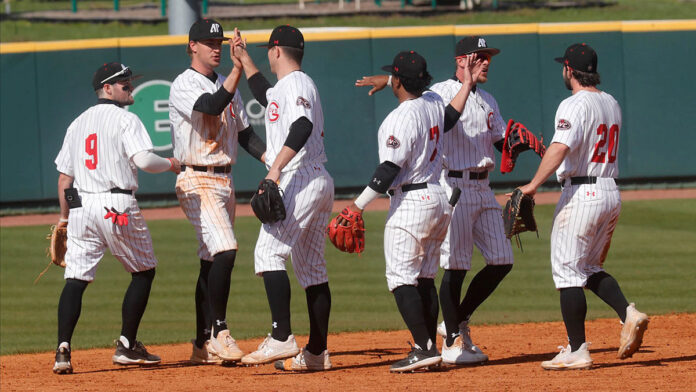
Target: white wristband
366,197
63,220
389,81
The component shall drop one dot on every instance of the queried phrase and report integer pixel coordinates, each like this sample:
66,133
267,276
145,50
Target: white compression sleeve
366,197
151,162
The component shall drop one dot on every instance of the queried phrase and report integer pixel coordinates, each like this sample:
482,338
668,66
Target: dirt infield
666,362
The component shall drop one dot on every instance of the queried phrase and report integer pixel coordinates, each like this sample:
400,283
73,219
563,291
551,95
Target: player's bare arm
284,156
240,52
555,154
232,80
378,82
470,68
64,182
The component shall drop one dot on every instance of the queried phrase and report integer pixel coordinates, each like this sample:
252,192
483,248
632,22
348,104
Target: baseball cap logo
214,28
482,43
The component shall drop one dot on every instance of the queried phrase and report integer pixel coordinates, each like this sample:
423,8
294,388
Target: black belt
472,175
216,169
409,187
119,190
583,180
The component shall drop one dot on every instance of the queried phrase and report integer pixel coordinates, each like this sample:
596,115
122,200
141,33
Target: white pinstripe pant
416,225
308,196
583,224
89,234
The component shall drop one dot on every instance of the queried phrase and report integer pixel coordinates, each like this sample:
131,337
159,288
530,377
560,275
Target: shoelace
265,342
229,341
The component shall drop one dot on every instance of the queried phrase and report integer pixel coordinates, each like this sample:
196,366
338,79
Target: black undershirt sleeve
251,142
383,177
451,117
499,145
213,104
258,84
300,130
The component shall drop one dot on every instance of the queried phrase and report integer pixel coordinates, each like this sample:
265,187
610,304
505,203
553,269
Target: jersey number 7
91,149
600,154
434,134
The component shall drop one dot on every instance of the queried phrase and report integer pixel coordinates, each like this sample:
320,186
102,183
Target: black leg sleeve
431,308
450,295
219,288
319,307
410,305
481,287
278,292
134,303
607,288
574,310
204,321
69,308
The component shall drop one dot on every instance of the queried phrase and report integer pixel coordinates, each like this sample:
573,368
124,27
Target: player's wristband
63,220
366,197
389,81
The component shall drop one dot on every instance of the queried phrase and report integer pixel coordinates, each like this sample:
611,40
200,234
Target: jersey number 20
91,149
600,154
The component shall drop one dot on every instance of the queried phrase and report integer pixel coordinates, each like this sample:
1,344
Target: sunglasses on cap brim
126,72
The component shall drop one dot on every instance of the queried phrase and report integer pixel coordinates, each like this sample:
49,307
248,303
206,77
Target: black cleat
138,355
62,365
417,359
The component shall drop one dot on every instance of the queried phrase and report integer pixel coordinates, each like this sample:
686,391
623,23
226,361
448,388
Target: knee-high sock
219,288
481,287
135,302
278,292
607,288
410,306
574,310
450,296
69,308
204,321
431,308
319,307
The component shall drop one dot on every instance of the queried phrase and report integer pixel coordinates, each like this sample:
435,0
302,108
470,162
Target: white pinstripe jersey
294,96
410,138
588,123
469,144
199,138
98,148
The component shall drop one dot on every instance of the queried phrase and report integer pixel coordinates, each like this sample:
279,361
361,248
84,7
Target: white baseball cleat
272,350
306,361
225,347
461,354
632,332
566,359
202,355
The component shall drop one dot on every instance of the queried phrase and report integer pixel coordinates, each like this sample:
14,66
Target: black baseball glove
518,215
267,202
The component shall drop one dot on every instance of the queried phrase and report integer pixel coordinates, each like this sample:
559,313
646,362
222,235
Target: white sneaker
632,332
202,355
459,354
306,361
271,350
225,347
566,359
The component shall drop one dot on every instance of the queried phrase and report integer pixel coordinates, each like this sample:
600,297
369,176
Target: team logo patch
489,119
393,142
303,102
563,125
273,111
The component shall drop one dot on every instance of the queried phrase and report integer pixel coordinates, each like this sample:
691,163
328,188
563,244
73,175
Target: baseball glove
518,139
267,202
348,236
58,245
518,215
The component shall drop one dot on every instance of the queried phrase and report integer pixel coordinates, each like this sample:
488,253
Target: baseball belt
215,169
580,180
472,175
409,187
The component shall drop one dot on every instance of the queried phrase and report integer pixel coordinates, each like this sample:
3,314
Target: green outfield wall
646,65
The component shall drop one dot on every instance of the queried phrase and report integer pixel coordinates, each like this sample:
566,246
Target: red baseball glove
349,235
518,139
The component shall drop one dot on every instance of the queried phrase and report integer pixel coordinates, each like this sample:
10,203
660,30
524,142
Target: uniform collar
108,101
213,78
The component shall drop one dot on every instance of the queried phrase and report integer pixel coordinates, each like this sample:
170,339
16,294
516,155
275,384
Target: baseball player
208,119
295,160
583,153
98,164
410,149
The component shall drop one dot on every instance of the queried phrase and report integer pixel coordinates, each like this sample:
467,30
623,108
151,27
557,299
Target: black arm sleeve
251,142
258,84
451,117
213,104
299,133
499,144
384,175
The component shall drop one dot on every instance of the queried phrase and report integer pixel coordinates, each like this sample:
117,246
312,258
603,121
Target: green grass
17,30
651,256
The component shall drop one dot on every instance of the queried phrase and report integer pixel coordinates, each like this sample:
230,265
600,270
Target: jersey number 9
91,149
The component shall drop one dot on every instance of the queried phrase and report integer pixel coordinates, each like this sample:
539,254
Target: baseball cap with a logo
580,57
206,29
473,44
111,73
408,64
285,35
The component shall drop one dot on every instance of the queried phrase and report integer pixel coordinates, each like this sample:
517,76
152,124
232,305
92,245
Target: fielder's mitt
349,235
518,215
518,139
58,245
267,202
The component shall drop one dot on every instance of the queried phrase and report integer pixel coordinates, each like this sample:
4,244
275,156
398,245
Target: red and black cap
206,29
580,57
408,64
473,44
111,73
285,35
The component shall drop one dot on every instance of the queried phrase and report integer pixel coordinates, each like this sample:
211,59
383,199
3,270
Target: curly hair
416,85
586,79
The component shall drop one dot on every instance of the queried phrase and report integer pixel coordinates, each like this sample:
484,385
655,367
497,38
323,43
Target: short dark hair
586,79
294,54
416,85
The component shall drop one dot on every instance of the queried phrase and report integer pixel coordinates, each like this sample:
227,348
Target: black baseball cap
408,64
111,73
206,29
580,57
285,35
473,44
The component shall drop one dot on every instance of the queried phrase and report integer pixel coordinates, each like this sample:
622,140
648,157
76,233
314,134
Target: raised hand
378,82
